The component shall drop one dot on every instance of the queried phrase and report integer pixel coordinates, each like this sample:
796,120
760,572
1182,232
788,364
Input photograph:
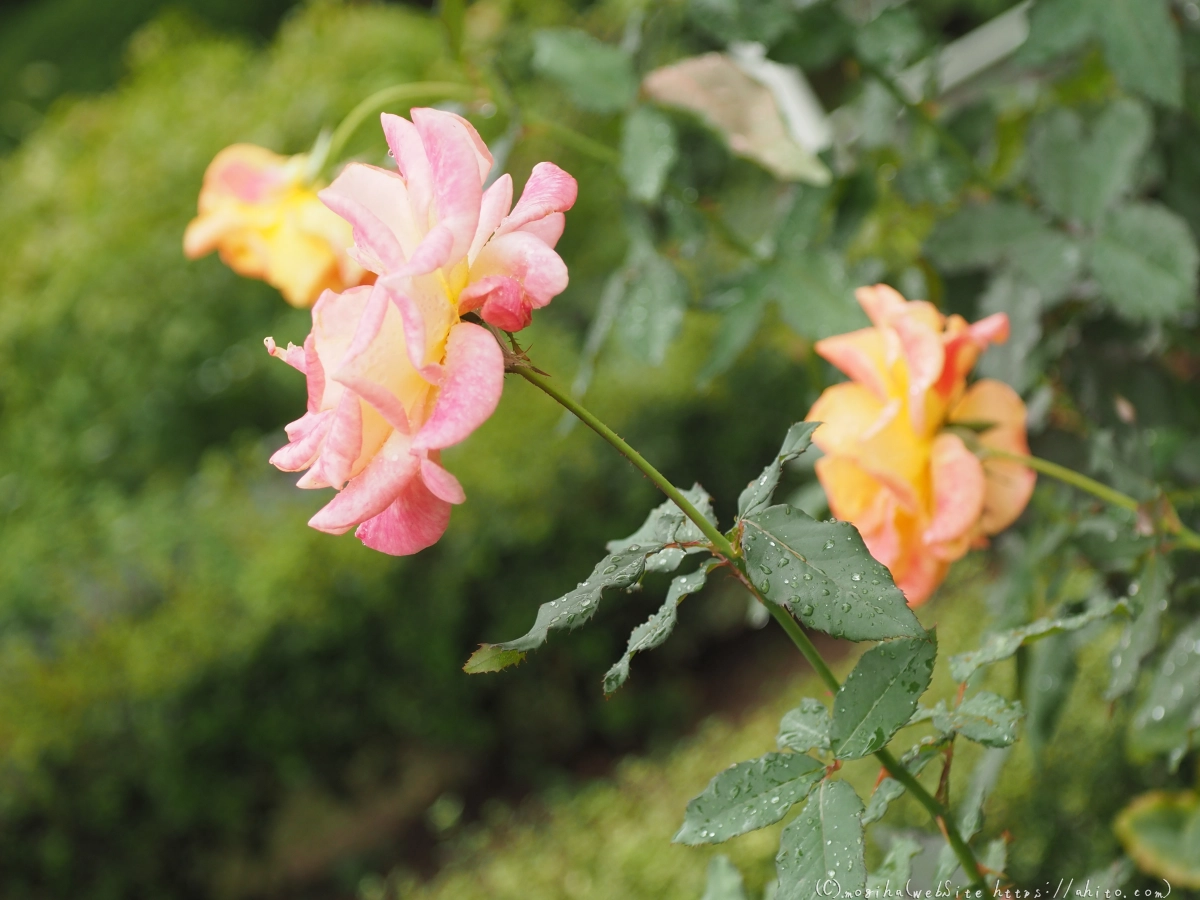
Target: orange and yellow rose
914,490
260,213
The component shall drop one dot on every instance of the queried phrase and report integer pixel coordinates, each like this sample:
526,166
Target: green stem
602,153
724,548
390,96
719,542
1184,535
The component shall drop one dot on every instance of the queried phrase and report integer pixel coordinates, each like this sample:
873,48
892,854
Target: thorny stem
719,542
390,96
723,548
1167,523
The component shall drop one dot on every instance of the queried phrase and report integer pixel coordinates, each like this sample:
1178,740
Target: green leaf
1056,27
983,780
981,235
804,728
889,789
1161,832
596,76
1144,259
1141,46
655,300
648,151
748,796
653,632
756,496
742,20
985,718
824,842
490,658
1079,174
619,570
1003,644
1051,672
739,323
1170,715
896,869
1141,634
724,880
667,524
1015,361
995,855
813,292
825,575
880,695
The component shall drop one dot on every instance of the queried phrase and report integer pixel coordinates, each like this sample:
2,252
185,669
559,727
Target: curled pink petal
416,519
443,485
548,190
306,436
457,185
409,151
471,390
378,198
371,491
293,355
507,306
541,271
880,302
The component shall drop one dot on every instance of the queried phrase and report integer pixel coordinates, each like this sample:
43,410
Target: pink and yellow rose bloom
394,373
917,494
259,212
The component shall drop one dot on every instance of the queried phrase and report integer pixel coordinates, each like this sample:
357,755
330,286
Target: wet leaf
985,718
804,728
1003,644
1169,717
756,496
648,151
825,575
824,842
667,524
619,570
880,695
889,789
724,880
653,632
896,869
748,796
1141,634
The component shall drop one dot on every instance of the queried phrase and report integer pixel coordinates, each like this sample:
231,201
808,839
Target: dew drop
807,609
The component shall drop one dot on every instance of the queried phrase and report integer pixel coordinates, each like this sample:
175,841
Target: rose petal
372,490
415,520
548,190
443,485
862,356
450,146
408,149
541,271
958,487
497,200
471,390
1009,484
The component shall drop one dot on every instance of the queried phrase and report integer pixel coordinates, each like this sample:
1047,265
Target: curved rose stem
719,542
1184,535
390,96
725,549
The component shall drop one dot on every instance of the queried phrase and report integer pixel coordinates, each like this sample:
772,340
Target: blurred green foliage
178,652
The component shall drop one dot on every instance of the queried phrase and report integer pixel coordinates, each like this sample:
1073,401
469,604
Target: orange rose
259,212
919,497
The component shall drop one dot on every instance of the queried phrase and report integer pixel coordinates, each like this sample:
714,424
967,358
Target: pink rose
393,373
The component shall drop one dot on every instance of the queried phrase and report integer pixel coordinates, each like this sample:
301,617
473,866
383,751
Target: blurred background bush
201,697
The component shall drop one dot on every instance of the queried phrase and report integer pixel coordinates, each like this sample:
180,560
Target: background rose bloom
393,373
919,497
257,211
